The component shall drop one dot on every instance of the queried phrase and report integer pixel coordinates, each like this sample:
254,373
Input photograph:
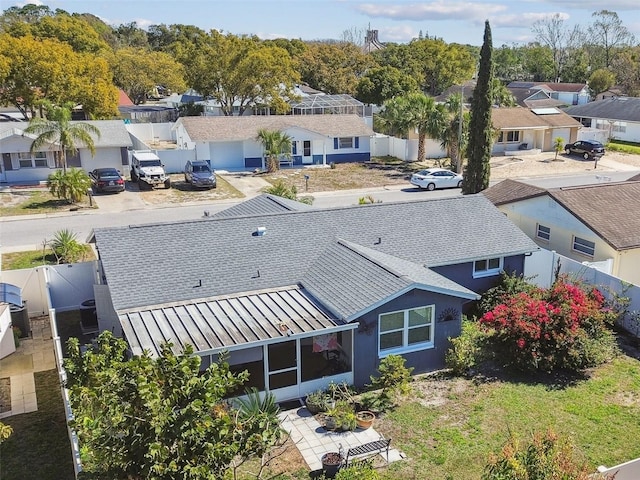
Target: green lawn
454,437
39,447
34,258
29,202
625,147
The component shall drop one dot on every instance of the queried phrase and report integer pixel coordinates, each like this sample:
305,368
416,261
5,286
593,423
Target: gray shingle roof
113,133
261,205
228,257
207,129
350,279
614,108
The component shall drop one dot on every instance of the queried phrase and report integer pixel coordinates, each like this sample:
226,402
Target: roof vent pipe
261,231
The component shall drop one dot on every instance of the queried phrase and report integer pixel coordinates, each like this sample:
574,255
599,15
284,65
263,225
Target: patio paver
313,441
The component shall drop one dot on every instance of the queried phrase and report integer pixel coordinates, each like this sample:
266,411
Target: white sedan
433,178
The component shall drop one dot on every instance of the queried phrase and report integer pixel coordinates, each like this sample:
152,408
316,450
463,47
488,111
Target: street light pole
459,159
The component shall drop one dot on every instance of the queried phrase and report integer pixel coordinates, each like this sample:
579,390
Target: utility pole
459,159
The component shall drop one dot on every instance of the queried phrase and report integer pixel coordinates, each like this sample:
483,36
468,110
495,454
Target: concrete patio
35,354
313,440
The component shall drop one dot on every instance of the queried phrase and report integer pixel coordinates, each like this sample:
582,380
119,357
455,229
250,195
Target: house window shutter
294,146
6,161
356,142
335,143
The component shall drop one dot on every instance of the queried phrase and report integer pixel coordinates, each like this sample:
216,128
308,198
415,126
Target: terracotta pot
331,463
365,419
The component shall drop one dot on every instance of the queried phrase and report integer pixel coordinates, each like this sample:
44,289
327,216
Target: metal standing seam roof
221,323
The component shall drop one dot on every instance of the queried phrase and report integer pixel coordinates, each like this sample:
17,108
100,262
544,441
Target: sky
454,21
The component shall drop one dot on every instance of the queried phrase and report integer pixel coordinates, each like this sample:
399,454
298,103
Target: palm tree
57,129
276,144
71,185
453,134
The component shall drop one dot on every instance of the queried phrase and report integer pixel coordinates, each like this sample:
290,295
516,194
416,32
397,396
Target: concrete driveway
119,202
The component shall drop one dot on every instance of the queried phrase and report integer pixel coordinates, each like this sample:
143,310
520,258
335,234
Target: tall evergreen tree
476,177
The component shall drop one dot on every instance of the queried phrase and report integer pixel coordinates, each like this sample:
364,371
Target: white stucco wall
7,344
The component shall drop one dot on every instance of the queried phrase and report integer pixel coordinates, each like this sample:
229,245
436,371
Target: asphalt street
29,232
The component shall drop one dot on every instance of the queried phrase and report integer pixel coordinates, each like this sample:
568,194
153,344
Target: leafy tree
137,71
151,418
509,63
66,247
382,83
130,35
501,95
276,144
477,173
239,72
626,67
403,57
561,40
173,38
72,30
609,34
58,130
546,456
538,62
600,81
334,68
71,185
48,69
453,135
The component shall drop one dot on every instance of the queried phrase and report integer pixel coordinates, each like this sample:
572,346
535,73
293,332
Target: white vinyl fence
542,266
407,150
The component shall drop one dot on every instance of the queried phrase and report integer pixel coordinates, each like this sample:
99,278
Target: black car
106,180
587,149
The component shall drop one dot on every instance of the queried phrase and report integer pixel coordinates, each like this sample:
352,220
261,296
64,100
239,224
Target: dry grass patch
30,202
181,192
379,172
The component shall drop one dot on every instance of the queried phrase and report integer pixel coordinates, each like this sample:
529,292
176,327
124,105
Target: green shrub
468,349
545,457
392,375
358,471
508,286
66,247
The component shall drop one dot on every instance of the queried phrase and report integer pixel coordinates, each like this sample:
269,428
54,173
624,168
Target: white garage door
227,156
564,133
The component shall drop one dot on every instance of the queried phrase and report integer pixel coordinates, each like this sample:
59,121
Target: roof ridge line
354,248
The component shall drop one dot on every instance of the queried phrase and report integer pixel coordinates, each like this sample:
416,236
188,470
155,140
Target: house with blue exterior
230,143
300,297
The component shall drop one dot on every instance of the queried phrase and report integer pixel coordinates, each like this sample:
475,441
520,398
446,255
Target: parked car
106,180
433,178
199,174
587,149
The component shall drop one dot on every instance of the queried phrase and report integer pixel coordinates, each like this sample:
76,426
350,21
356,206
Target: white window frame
514,134
582,242
345,140
619,127
406,347
487,270
541,234
23,157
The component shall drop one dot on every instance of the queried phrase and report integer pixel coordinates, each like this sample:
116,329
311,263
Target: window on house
345,142
544,233
619,127
507,137
602,125
487,267
584,246
406,330
37,160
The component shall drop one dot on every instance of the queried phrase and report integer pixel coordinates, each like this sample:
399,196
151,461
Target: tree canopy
159,418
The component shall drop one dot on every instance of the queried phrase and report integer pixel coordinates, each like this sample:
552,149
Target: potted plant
331,463
331,417
317,402
348,421
365,419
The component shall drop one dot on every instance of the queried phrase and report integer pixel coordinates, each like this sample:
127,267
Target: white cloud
523,20
398,34
594,5
438,10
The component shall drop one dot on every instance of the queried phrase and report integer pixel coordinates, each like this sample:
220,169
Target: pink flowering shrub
565,326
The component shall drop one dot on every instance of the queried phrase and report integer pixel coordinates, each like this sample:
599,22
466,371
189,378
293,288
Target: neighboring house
591,223
567,93
528,97
231,143
523,130
302,298
148,113
19,165
618,116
